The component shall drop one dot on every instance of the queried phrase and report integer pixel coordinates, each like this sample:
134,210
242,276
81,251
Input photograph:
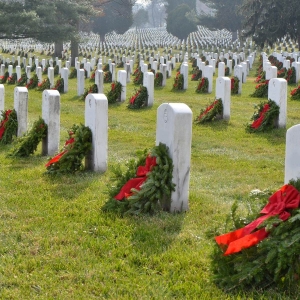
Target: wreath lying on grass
69,160
114,94
265,252
295,93
264,118
22,80
28,143
138,77
202,85
234,85
178,82
261,90
92,89
8,126
212,112
146,185
139,99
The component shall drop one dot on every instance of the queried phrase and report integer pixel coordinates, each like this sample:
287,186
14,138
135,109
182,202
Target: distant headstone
21,107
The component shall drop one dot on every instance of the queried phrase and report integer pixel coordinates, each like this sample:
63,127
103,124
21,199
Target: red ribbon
135,183
3,122
56,158
256,124
209,108
286,198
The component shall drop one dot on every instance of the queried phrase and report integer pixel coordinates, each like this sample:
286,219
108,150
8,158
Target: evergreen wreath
146,185
33,82
265,118
261,90
114,95
139,99
107,78
158,79
212,112
73,73
202,85
261,77
272,262
69,160
227,71
295,93
59,85
4,77
92,89
8,126
44,85
234,85
22,80
93,74
28,143
56,69
45,71
12,79
196,74
178,82
138,77
105,68
291,75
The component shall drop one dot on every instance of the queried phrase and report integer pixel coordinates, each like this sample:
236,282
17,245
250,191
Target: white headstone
51,116
65,77
292,154
238,72
185,72
174,129
223,91
2,97
221,69
21,107
148,82
99,80
122,78
96,118
51,76
277,91
208,72
80,82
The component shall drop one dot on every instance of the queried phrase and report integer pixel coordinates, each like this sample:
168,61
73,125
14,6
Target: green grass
56,243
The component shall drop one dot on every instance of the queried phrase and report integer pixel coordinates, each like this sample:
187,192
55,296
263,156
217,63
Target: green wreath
114,94
92,89
8,126
139,99
155,192
212,112
75,149
28,143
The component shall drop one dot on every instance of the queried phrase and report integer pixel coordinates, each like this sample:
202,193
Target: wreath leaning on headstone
263,249
265,118
212,112
77,146
139,99
8,126
202,86
28,143
92,89
146,185
234,85
114,94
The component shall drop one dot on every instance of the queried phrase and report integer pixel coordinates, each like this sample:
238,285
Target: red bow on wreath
135,183
256,124
286,198
56,158
3,122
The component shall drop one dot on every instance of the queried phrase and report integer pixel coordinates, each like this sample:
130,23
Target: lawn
57,243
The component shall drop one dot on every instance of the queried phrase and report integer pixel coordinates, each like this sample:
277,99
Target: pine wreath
202,85
234,85
146,185
139,99
274,262
59,85
158,79
4,77
92,89
178,82
197,74
8,126
107,78
114,94
69,160
12,79
295,93
33,82
73,73
212,112
44,85
22,80
264,118
138,77
261,90
28,143
291,75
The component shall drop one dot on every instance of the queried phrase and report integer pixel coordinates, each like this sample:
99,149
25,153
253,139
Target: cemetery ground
57,243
